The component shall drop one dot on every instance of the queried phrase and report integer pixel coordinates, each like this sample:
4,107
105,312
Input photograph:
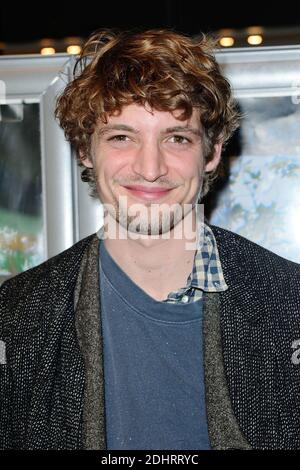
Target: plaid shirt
207,274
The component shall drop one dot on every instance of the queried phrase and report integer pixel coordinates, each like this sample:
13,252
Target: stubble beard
147,218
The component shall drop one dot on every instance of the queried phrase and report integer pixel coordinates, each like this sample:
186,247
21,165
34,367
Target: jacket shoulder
66,259
231,245
54,275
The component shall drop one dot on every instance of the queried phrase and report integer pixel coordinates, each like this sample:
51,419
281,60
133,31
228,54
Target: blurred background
31,27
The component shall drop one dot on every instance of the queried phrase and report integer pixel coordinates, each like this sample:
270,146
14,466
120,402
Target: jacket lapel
88,328
224,431
246,331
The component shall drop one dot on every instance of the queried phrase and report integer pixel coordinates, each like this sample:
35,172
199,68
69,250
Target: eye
180,139
119,138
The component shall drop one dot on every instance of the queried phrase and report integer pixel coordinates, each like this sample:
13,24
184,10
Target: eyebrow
169,130
117,127
191,130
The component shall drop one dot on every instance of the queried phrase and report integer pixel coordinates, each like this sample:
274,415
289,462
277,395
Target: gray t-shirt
153,367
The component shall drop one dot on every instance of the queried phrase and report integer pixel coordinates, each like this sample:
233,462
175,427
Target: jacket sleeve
5,373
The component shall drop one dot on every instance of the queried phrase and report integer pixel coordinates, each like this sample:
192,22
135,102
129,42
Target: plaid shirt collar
207,273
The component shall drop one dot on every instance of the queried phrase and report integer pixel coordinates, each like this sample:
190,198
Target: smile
144,192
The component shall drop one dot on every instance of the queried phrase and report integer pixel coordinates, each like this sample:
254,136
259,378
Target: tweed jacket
51,367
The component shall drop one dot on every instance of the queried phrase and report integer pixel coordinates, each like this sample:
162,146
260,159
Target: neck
163,264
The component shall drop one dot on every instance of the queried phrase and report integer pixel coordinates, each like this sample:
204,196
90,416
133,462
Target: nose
149,162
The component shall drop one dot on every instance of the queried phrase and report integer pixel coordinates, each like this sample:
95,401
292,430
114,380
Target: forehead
143,116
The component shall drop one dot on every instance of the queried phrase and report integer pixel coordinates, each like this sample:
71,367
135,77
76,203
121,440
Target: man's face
149,157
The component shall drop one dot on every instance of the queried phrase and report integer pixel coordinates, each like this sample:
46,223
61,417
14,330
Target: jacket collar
88,328
237,274
223,427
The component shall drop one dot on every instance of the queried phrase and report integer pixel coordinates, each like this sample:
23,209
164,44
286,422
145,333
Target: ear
85,160
214,162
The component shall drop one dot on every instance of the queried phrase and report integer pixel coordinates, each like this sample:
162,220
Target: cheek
191,169
110,171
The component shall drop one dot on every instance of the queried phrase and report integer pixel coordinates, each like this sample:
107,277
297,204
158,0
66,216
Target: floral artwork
261,200
21,222
19,249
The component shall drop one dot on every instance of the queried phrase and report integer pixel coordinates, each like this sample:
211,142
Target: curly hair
163,68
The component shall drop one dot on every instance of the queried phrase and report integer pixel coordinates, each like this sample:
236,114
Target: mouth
147,193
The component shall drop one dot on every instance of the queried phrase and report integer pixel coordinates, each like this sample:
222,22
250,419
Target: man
136,337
